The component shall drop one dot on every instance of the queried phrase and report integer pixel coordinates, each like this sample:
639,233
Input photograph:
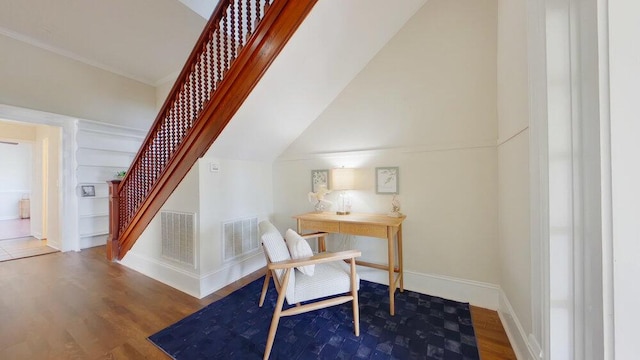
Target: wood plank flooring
490,335
80,306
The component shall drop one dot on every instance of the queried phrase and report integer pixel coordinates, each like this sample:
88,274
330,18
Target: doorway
26,181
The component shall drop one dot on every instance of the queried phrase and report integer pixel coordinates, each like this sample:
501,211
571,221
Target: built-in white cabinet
102,151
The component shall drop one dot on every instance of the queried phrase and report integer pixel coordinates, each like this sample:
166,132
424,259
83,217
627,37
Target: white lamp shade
343,179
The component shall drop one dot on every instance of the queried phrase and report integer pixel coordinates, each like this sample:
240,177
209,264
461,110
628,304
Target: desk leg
400,263
322,245
392,282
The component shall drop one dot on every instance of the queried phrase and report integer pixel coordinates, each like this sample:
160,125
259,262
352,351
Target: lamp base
343,212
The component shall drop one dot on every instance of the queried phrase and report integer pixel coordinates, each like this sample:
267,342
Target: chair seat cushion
329,279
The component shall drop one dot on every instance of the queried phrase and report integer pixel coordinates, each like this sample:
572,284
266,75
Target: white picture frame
87,191
319,178
387,180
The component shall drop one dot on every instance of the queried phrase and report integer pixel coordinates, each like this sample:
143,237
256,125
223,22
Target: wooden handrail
238,44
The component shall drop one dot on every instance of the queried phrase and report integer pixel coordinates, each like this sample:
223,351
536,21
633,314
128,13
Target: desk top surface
378,219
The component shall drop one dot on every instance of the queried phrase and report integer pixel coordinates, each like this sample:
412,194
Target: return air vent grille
240,237
178,237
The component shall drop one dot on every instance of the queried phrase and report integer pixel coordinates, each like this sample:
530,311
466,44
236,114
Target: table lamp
342,180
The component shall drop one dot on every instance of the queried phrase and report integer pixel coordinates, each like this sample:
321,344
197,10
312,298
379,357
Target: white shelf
108,150
129,132
87,216
94,197
99,233
102,151
104,166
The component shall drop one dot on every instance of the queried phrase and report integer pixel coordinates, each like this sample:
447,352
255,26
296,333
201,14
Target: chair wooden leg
354,293
276,315
265,287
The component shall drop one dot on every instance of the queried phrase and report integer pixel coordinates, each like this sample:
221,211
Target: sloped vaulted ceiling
146,40
334,43
149,40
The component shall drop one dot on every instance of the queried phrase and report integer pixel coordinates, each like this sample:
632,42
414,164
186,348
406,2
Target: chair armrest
316,259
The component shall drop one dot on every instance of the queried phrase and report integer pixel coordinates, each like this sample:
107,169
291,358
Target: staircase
238,44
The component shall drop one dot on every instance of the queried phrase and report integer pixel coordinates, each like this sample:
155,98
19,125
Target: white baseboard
191,283
220,278
474,292
166,273
525,347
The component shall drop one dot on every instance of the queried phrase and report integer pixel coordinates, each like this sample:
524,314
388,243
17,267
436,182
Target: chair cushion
330,279
276,250
299,248
273,243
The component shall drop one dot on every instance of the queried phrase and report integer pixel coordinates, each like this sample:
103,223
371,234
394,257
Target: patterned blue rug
424,327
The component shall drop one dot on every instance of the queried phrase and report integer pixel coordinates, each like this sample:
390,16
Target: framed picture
387,180
87,190
318,178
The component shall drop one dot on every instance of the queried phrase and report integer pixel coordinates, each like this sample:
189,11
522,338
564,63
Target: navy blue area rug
424,327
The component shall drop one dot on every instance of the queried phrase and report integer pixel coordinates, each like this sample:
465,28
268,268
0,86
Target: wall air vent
178,237
239,237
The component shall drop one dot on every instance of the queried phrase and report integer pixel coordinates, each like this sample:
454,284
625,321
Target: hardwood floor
80,306
492,339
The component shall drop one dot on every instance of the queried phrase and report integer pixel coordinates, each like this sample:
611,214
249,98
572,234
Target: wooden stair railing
238,44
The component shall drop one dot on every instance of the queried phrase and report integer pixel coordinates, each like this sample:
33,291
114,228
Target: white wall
146,254
433,84
38,79
624,29
38,212
12,130
240,189
15,177
426,103
162,91
513,172
47,214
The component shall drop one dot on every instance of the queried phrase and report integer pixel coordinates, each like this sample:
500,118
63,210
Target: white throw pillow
299,248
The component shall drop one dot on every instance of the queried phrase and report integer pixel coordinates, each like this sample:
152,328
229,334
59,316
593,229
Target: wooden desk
371,225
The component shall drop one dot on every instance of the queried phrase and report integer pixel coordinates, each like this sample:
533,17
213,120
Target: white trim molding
525,347
217,279
392,151
185,281
189,282
476,293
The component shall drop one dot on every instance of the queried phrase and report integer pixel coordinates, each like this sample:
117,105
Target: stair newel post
113,243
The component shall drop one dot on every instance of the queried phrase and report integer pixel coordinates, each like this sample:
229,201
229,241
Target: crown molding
73,56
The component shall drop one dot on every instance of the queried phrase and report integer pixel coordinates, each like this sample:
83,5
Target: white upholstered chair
300,276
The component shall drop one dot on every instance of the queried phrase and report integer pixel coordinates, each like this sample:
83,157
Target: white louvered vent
240,237
178,237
